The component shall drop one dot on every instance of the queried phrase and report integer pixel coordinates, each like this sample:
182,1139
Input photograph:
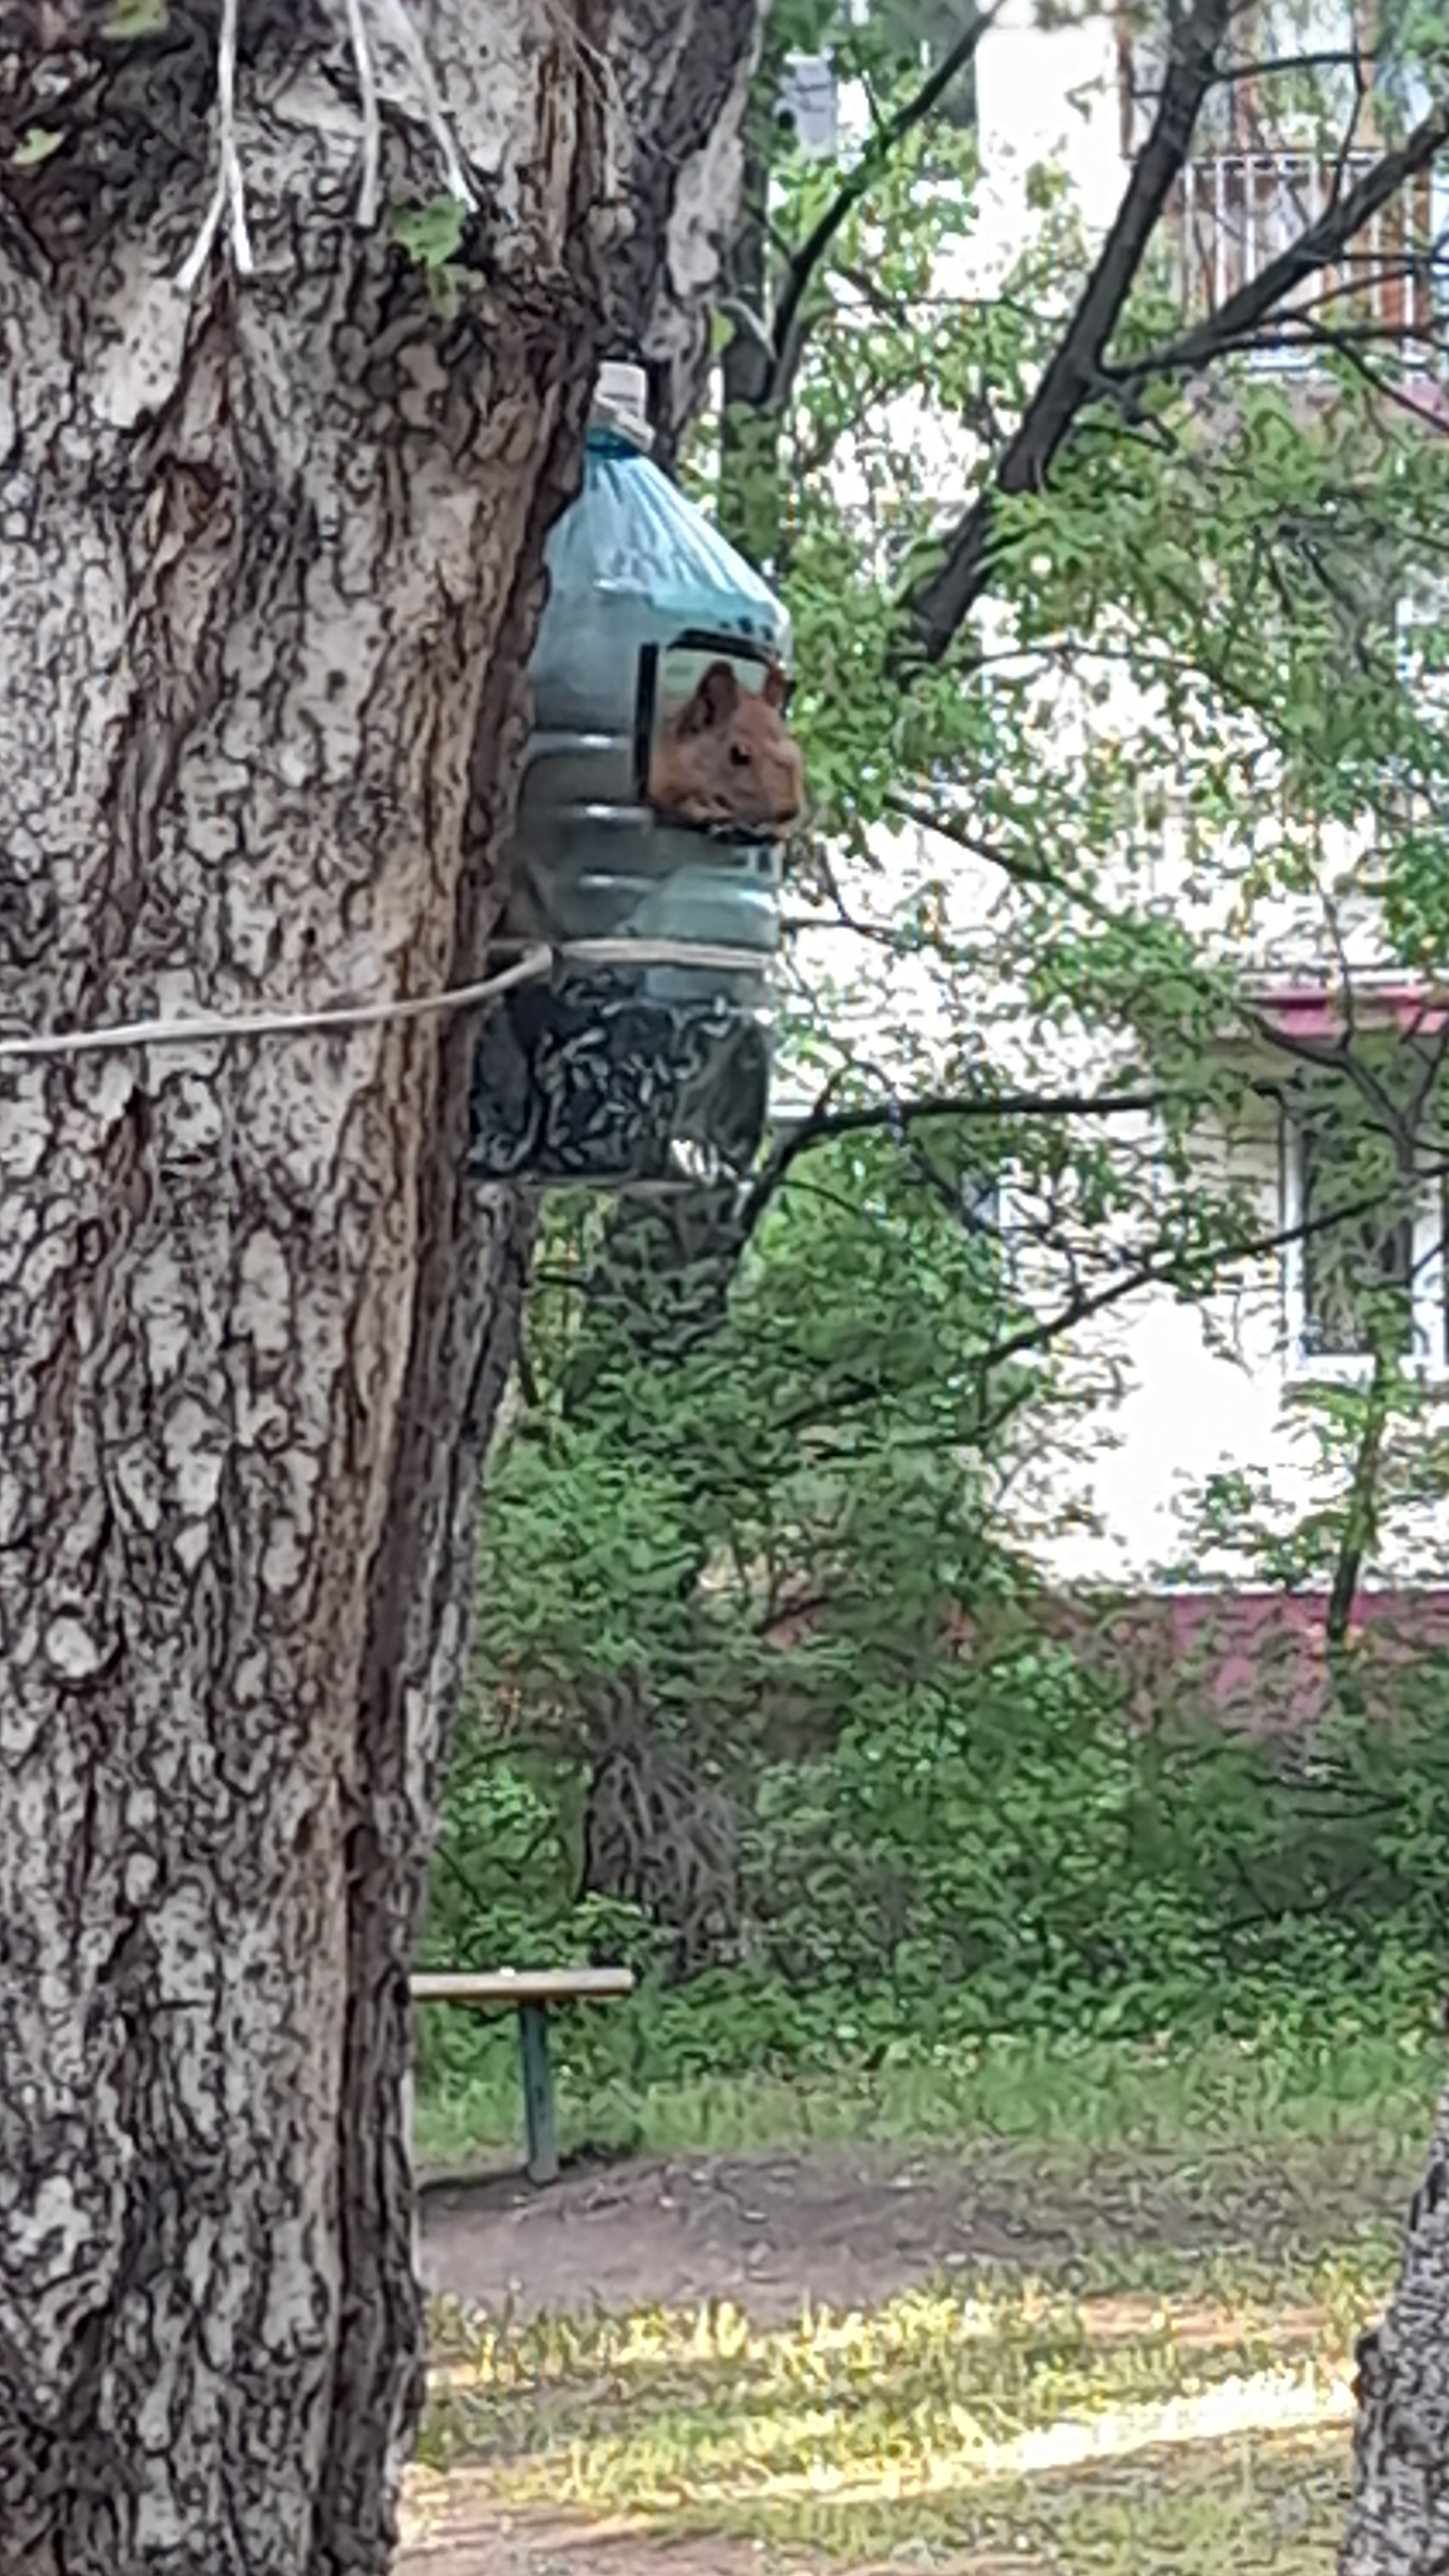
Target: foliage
1182,729
995,1850
768,1501
801,1467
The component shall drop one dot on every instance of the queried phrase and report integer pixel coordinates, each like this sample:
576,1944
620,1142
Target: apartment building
1211,1437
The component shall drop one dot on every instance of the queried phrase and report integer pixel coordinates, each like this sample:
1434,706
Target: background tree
300,309
1186,668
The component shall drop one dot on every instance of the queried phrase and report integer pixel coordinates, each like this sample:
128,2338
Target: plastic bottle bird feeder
658,783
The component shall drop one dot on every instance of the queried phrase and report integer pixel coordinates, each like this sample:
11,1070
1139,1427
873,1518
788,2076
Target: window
923,32
1422,622
909,34
1306,102
1364,1264
1416,739
1312,102
1278,139
809,103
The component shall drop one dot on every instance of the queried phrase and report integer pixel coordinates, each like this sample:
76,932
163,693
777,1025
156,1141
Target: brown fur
728,757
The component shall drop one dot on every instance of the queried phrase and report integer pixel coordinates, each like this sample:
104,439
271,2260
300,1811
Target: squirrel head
728,756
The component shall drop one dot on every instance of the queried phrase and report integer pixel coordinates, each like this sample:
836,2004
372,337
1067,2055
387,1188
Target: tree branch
938,605
1175,1270
1360,1529
788,332
1079,371
894,1117
1317,247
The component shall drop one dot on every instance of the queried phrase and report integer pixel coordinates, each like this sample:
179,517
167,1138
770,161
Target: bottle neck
605,439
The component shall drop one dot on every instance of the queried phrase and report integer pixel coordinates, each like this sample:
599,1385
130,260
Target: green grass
1075,2100
1139,2408
1199,2427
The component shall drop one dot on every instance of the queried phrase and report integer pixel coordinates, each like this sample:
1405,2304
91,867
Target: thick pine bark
1398,2521
270,573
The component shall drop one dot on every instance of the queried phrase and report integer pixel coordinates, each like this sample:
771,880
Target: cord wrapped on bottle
659,782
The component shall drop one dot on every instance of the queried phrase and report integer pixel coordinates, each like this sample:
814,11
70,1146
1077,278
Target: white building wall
1047,95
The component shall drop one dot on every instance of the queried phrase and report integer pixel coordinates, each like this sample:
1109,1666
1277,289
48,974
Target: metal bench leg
538,2094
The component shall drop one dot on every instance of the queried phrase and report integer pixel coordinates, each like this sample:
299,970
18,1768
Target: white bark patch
53,2231
425,379
708,190
284,1560
109,1085
196,1116
134,1485
142,1872
161,1304
290,2317
195,1453
188,1969
72,1648
139,356
27,1132
263,1308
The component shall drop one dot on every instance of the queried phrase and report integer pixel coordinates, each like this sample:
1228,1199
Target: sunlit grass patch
948,2418
1232,2507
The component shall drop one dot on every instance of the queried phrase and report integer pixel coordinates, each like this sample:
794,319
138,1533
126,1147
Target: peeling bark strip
270,569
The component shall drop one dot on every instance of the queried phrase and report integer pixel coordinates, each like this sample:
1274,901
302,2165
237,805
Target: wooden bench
530,1991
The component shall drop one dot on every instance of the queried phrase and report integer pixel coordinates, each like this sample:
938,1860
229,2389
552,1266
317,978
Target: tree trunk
1398,2521
271,572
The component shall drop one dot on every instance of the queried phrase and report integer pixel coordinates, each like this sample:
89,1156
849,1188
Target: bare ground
847,2229
838,2230
471,2539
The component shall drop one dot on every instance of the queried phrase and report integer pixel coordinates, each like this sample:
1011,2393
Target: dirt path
464,2538
842,2230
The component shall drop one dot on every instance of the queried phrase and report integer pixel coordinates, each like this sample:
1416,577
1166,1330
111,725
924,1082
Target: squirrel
728,756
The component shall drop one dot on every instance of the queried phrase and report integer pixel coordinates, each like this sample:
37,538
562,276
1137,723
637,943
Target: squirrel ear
717,695
775,686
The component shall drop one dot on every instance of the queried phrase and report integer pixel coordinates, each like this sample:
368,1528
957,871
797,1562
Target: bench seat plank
524,1986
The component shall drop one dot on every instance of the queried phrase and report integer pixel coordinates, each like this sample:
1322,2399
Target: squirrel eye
739,757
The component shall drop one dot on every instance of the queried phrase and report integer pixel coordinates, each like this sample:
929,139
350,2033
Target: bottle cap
621,401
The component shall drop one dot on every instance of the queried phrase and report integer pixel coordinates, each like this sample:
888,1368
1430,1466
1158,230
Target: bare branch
1024,872
1175,1270
1079,371
788,333
1318,247
893,1117
1360,1523
1349,59
938,605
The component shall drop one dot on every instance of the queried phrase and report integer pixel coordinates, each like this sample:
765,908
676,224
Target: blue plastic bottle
654,1073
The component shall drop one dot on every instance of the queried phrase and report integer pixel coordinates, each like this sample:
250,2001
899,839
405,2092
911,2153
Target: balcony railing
1235,211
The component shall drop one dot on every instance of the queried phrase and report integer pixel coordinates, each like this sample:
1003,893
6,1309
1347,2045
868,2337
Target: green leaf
36,145
128,20
430,234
